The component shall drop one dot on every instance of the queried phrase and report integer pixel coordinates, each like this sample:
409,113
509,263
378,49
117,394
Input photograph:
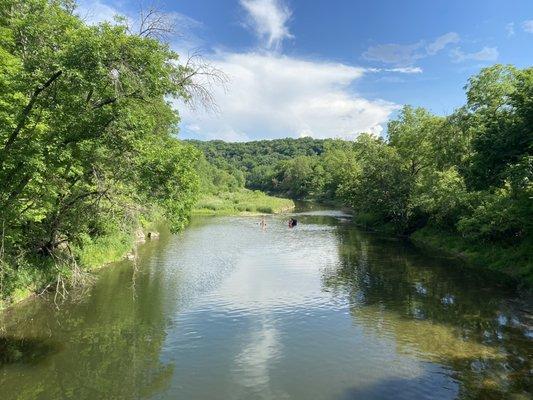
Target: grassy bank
25,277
242,202
514,261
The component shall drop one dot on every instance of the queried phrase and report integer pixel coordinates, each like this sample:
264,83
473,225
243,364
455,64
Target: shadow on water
393,388
461,318
25,350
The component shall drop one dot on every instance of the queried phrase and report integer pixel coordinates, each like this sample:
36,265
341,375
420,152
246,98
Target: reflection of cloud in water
420,289
255,359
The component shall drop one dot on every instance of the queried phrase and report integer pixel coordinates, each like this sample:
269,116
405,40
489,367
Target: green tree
500,117
85,130
413,134
378,184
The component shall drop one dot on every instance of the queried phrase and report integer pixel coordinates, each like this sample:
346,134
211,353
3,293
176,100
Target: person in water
263,223
292,223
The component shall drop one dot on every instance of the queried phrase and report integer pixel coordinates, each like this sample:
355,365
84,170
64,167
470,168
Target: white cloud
441,42
527,26
509,28
392,53
485,54
407,54
272,96
268,19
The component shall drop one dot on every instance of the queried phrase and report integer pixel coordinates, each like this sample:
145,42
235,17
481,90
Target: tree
413,134
500,118
86,129
378,184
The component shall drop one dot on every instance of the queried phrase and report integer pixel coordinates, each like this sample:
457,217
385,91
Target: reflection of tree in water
436,311
102,352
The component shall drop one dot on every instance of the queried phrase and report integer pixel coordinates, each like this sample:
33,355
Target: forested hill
259,159
248,155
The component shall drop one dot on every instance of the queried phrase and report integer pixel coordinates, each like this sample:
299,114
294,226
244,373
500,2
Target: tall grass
105,249
241,202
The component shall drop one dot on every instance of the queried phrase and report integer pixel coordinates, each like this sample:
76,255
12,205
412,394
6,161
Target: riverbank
72,265
513,261
242,202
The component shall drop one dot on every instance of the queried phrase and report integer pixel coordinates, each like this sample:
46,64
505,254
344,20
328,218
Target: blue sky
333,68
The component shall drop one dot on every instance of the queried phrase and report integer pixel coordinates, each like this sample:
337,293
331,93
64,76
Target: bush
494,219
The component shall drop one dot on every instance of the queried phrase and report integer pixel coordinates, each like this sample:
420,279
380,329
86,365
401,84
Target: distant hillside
257,159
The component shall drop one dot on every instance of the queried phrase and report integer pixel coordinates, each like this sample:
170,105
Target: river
227,310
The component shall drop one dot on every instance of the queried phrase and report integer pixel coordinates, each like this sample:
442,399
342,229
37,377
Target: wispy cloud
273,96
441,42
401,70
485,54
392,53
405,70
527,26
408,54
268,19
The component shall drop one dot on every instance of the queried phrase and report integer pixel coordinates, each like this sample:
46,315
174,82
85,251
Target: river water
226,310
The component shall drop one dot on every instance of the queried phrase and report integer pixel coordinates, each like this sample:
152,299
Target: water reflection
252,364
436,311
227,310
25,350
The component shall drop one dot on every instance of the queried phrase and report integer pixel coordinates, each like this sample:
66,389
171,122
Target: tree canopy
86,132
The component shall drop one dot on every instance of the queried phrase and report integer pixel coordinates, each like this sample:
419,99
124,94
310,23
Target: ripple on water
226,310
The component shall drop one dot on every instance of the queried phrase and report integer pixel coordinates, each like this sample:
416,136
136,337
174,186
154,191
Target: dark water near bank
228,311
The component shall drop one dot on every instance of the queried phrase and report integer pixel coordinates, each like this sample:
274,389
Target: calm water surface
226,310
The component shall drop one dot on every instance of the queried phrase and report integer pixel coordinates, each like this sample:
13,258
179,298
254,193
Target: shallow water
226,310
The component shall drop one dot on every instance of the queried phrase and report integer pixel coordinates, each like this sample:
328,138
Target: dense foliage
468,175
255,162
86,150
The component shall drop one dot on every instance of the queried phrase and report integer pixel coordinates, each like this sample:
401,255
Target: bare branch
199,80
156,24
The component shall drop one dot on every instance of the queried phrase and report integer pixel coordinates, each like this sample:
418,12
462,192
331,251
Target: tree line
254,163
